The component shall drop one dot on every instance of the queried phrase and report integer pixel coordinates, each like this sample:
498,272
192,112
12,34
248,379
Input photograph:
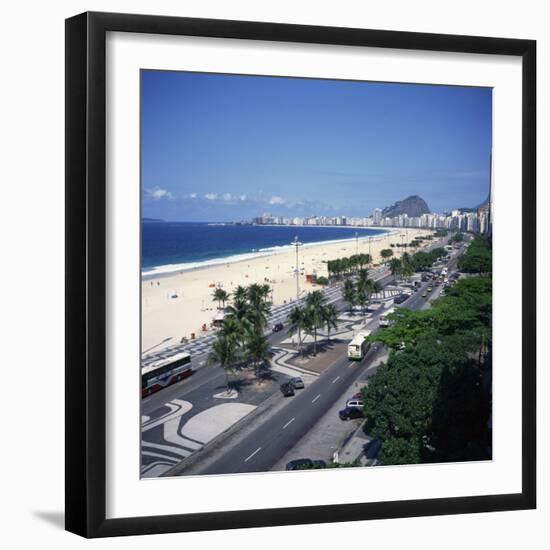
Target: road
184,417
166,443
264,446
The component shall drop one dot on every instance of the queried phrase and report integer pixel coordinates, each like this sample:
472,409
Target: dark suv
277,327
305,464
287,389
350,412
400,299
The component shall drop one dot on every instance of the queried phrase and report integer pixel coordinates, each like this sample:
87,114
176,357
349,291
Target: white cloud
242,197
276,200
227,196
157,193
211,196
192,195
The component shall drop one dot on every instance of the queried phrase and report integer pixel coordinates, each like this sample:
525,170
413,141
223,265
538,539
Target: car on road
287,390
353,402
424,294
400,299
297,383
350,412
305,464
429,289
277,327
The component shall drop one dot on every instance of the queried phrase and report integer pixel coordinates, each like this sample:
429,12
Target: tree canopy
478,257
431,401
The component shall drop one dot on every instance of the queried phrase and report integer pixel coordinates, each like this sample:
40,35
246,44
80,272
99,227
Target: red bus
164,372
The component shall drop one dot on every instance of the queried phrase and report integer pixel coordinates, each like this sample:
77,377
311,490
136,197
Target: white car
355,403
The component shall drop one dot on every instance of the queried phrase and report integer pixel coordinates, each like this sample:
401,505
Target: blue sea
168,247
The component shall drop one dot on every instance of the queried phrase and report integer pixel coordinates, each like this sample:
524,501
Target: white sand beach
177,305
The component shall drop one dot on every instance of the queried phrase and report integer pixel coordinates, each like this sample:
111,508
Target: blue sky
229,147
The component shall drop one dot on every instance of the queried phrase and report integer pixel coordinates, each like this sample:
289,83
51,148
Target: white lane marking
313,401
256,451
337,378
289,422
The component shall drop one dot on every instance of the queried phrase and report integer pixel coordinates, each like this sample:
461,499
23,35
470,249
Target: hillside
413,206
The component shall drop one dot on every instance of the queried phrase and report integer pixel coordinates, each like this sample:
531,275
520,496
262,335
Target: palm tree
239,294
259,304
362,296
232,328
349,293
386,253
330,318
256,348
224,351
315,303
396,267
297,320
363,278
220,295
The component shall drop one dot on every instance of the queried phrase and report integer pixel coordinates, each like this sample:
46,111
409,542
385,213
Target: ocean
168,247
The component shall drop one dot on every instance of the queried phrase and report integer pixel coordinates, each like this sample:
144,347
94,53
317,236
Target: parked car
305,464
287,390
297,383
350,412
400,299
357,403
277,327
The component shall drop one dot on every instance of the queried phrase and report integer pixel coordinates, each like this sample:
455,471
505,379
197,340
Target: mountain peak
413,206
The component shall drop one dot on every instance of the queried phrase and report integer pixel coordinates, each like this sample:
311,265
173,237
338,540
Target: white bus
164,372
384,321
358,347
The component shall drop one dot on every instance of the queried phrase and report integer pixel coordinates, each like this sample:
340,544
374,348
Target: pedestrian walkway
278,314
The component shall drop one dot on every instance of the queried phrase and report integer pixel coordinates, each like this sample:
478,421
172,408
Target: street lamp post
370,239
297,244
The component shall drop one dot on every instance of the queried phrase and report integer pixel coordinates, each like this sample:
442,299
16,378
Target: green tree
258,300
221,296
224,351
330,318
349,294
315,304
431,401
257,349
477,258
396,267
386,254
297,320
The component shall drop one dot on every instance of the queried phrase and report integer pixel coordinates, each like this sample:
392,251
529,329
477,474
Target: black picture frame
86,279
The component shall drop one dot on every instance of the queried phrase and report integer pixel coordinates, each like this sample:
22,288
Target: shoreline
176,304
150,274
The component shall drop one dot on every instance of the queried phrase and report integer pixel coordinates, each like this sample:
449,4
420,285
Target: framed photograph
282,246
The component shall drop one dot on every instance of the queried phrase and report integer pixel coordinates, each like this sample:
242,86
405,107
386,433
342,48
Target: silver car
297,383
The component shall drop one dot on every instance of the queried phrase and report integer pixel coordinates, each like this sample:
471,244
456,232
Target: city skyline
225,147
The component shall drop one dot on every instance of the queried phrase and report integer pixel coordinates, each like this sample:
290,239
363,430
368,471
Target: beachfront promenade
278,314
